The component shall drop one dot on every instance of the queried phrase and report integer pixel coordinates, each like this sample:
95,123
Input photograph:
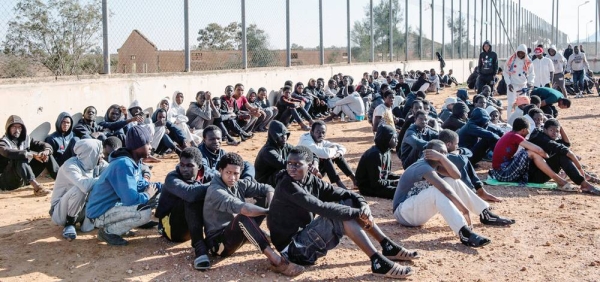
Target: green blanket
547,185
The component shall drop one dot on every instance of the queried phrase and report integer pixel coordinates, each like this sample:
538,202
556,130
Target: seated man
415,139
87,127
374,171
382,115
120,199
290,108
62,140
73,183
302,238
434,79
166,135
460,158
402,87
446,111
458,118
176,115
517,111
211,151
416,105
422,193
509,164
555,142
22,158
230,114
230,221
352,106
181,202
422,83
328,154
261,101
495,121
271,157
476,136
202,111
114,122
549,97
246,107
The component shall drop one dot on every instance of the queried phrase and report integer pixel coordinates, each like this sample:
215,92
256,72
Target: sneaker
111,239
488,218
69,232
287,268
472,239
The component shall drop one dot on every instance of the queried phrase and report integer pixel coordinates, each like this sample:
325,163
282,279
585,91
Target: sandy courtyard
556,237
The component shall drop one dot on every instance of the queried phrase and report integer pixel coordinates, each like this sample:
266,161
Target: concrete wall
39,101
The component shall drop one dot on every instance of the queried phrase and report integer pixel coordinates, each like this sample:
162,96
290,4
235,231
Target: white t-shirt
542,67
385,113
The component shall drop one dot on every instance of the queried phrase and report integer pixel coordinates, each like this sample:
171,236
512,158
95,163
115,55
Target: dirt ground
556,237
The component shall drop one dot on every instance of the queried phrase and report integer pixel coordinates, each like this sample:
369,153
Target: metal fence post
406,31
443,28
372,27
468,22
105,52
186,35
321,47
244,37
432,30
460,30
475,29
288,47
348,31
391,35
420,29
519,22
453,27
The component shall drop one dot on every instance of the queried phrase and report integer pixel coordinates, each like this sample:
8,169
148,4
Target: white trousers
417,210
511,97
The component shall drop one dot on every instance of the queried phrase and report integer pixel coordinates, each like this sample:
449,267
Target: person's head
486,46
522,101
421,119
318,130
331,84
288,83
212,136
384,87
479,101
320,83
351,89
396,76
388,98
262,93
190,162
287,91
375,74
538,52
438,146
347,80
450,139
450,72
161,116
521,126
135,109
15,130
228,91
552,128
538,117
417,105
200,97
66,123
552,50
576,49
110,144
178,98
494,114
432,72
383,73
312,82
113,113
299,87
365,75
164,104
535,100
426,106
460,111
386,138
230,166
564,103
216,101
421,94
89,114
521,49
238,90
486,91
138,141
297,162
251,96
401,79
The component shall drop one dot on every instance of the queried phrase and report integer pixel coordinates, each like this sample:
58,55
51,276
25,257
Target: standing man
568,52
544,69
560,63
518,74
578,65
488,67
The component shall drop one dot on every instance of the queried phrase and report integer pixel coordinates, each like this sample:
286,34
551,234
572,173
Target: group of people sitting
102,179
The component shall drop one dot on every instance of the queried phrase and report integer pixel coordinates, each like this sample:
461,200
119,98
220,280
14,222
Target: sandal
397,271
476,240
568,188
202,263
404,255
69,233
594,191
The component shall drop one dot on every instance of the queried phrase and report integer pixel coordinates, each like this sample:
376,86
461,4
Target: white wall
39,101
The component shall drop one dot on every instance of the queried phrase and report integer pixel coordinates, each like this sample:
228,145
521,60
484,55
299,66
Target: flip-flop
397,271
568,188
404,255
69,233
594,191
202,263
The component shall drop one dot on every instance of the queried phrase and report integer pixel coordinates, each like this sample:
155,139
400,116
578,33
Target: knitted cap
137,136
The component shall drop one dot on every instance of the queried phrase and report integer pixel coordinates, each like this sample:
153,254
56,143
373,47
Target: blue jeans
578,80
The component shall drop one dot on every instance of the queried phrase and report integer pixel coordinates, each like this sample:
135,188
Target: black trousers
293,113
19,173
480,149
185,223
326,166
556,162
240,230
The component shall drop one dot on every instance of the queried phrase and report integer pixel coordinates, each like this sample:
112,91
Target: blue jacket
476,128
62,142
467,172
121,183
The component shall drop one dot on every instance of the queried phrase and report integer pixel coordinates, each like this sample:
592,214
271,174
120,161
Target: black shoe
472,239
111,239
149,225
488,218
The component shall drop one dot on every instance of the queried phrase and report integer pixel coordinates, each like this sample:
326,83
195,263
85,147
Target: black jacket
271,158
175,190
488,61
550,146
454,122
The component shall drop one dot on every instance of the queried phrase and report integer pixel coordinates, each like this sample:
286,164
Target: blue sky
162,20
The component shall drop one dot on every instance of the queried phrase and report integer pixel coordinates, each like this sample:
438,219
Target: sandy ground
556,237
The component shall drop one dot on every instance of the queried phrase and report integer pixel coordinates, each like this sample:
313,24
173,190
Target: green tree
459,45
217,37
296,47
259,54
57,33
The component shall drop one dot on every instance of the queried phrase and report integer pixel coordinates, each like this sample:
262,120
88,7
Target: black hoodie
373,172
488,61
60,141
271,158
455,122
17,149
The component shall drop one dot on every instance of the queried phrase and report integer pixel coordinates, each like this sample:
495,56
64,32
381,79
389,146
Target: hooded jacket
517,71
568,52
488,61
81,171
19,148
476,128
84,130
210,161
467,172
177,111
374,167
559,61
176,190
454,122
61,141
414,143
113,128
271,158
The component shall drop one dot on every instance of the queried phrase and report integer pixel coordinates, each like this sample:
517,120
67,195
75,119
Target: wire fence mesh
148,36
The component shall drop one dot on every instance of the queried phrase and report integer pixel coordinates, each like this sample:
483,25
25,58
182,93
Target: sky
162,20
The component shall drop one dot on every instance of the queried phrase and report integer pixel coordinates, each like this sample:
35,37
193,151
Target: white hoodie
519,72
323,150
558,60
577,62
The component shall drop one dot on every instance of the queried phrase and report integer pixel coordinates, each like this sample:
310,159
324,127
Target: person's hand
151,189
95,135
511,88
337,155
45,153
207,96
433,155
123,110
365,212
314,171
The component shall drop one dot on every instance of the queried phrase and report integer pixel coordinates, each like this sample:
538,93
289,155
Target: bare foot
484,195
38,190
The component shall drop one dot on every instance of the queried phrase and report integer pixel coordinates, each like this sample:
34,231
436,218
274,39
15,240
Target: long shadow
580,117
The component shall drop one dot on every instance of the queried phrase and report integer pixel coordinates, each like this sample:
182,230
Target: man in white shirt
578,66
560,64
544,69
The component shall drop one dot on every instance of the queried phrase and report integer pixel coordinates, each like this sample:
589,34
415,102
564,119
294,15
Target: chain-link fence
67,37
